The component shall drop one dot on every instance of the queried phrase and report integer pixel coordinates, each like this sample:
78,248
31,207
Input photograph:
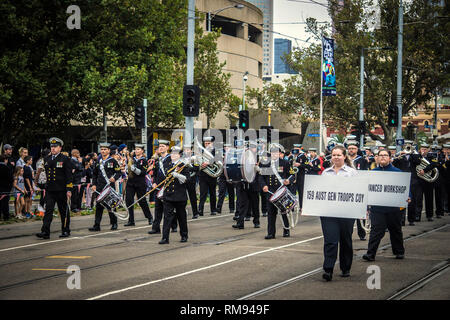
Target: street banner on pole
335,196
328,70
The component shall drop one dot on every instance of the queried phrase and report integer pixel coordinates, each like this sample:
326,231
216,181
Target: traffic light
191,101
392,116
139,117
243,119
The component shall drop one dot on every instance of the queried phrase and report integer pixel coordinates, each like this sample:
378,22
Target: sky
286,11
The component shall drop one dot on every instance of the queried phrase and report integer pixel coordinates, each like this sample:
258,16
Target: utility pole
189,121
361,98
144,130
399,74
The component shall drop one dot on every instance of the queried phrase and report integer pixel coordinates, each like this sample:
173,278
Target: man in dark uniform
106,172
249,198
314,166
360,164
58,189
420,187
300,162
175,196
437,157
159,174
6,183
136,184
77,174
262,157
270,183
191,182
207,183
225,187
403,163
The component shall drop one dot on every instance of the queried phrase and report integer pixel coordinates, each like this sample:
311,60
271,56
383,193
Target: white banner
387,188
335,196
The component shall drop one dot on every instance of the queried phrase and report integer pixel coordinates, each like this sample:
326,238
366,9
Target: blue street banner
328,70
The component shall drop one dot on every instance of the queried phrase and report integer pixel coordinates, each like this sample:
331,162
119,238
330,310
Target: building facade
282,47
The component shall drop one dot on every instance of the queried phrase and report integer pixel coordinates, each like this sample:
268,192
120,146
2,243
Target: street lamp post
212,14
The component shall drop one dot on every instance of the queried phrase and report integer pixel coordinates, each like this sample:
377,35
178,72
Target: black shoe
174,230
164,241
231,210
238,226
150,222
286,234
345,274
257,225
219,211
43,235
247,219
368,258
154,232
65,234
430,219
399,256
183,239
94,228
129,224
362,238
327,276
114,226
200,214
195,216
235,218
412,224
269,236
264,214
213,213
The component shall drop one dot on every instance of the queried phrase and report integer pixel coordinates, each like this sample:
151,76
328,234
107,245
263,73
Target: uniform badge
110,165
59,164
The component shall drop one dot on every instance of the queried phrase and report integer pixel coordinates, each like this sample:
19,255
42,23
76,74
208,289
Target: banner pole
321,97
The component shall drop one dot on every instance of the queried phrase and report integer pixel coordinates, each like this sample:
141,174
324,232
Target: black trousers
447,196
224,188
43,193
159,211
175,211
337,234
248,204
439,193
392,220
75,197
299,184
421,188
264,200
192,193
272,219
52,198
412,205
207,185
99,213
361,231
4,206
133,189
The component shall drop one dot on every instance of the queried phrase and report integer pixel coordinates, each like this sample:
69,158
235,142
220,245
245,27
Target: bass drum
240,165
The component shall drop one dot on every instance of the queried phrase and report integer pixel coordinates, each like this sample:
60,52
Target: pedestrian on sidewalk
6,183
29,185
19,189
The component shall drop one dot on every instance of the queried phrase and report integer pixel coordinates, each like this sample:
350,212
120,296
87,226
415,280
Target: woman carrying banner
382,217
338,231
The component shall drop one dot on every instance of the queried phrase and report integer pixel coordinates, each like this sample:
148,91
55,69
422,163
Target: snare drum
109,198
283,199
240,165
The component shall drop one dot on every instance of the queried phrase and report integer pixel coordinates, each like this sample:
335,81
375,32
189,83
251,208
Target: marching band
256,180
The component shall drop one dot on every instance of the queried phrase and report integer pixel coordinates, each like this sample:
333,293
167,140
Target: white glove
135,170
181,178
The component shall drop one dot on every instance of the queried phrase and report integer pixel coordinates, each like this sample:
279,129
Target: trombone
168,179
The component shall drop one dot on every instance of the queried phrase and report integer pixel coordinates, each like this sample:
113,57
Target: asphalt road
217,263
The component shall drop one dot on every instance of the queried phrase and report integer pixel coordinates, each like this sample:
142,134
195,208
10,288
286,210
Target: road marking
68,257
101,234
42,269
202,269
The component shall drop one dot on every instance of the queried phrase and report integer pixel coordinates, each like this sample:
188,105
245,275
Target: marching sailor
106,172
225,187
207,183
175,196
136,184
191,181
300,162
270,183
159,174
58,170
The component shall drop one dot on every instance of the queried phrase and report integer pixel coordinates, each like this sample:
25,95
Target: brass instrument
213,170
430,176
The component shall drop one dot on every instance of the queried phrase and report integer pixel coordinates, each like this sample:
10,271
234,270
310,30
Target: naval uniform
439,185
191,184
175,201
224,188
59,181
112,169
207,185
136,185
302,159
248,201
159,174
272,182
420,187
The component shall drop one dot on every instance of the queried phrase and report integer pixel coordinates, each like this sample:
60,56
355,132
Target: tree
425,63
